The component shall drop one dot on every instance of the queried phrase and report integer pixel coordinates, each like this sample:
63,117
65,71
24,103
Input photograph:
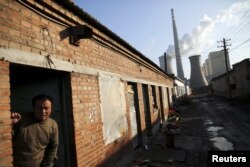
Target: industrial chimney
180,73
197,78
166,63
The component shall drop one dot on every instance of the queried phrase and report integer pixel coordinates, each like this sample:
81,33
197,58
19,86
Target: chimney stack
180,72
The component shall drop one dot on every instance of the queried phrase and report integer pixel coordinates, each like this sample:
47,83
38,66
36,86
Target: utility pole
224,41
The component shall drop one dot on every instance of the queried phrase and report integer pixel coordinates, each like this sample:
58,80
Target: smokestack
180,72
197,78
166,63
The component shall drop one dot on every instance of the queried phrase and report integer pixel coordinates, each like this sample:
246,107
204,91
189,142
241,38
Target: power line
241,30
244,17
241,39
244,47
241,44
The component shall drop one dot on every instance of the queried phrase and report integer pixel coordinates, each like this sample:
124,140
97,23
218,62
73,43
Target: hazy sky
147,26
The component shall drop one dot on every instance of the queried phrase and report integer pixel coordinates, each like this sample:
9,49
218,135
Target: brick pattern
25,30
151,102
87,118
141,107
155,114
157,89
5,121
166,109
90,146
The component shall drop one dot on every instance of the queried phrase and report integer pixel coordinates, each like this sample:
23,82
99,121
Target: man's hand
15,117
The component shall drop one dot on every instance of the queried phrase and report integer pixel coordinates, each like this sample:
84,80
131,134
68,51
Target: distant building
215,65
181,88
166,63
207,68
197,78
239,81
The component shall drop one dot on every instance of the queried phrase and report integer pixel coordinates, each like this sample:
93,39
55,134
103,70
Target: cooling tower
179,67
168,60
197,78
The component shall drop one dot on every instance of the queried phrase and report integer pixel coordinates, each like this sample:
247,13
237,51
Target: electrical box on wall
79,32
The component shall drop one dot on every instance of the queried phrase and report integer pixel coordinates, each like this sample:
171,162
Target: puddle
214,128
195,100
208,122
219,142
222,144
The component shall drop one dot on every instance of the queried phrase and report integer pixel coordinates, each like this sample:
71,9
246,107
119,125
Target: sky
201,24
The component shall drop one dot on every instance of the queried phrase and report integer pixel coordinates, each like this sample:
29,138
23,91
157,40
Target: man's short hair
42,97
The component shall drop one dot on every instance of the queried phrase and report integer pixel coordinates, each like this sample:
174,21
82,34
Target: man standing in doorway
35,135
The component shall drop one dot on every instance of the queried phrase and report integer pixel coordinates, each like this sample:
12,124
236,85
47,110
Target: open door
135,121
27,82
147,110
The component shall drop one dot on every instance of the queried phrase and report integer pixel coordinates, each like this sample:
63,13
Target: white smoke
201,37
232,15
170,51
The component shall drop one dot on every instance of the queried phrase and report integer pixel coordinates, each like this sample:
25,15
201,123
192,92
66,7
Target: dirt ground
206,123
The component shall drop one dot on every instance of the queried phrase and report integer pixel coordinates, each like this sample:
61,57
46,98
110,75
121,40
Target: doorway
147,109
135,121
162,115
26,82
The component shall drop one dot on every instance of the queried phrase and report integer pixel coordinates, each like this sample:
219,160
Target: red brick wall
166,110
88,132
158,102
90,147
141,107
5,122
24,30
151,103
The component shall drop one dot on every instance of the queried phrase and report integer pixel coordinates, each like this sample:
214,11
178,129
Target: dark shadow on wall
125,155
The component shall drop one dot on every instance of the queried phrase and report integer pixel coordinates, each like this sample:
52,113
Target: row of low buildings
235,83
109,98
214,70
181,87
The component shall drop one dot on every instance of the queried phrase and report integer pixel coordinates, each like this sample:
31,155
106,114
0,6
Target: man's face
42,109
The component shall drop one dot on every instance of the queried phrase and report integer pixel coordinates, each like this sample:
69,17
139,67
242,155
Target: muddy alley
206,123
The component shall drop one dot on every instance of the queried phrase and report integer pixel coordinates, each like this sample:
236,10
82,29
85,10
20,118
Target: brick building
109,98
238,78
